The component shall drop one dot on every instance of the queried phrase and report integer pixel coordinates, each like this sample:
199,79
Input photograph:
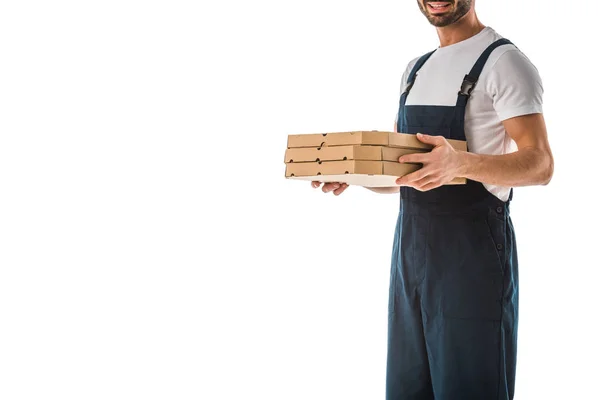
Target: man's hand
337,187
440,165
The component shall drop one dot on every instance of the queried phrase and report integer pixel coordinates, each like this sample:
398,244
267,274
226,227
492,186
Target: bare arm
532,164
384,190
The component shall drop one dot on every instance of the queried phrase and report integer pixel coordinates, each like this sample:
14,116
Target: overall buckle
467,86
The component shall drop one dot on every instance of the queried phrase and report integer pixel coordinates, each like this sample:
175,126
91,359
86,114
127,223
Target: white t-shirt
509,86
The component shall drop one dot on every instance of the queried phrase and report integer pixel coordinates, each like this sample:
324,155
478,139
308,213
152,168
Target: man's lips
438,7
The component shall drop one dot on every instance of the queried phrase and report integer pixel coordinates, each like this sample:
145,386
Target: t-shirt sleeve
515,86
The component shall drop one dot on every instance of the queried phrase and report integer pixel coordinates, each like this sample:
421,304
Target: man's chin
440,22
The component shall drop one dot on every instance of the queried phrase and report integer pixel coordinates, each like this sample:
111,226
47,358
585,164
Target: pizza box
373,138
354,172
342,153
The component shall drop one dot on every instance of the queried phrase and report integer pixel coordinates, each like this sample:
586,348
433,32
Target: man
453,307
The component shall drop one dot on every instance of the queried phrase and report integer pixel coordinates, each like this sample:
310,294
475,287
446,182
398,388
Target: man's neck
462,29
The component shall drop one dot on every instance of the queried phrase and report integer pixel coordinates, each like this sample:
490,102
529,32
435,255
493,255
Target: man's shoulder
509,58
411,64
507,54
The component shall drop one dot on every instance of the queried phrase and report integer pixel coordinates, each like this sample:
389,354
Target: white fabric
509,86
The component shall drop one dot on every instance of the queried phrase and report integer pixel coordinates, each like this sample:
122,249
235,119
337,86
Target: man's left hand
440,165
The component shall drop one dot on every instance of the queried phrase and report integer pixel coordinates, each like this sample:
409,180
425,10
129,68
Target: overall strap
401,123
472,77
413,74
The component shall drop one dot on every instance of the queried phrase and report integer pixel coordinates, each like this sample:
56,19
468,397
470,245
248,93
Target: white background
150,247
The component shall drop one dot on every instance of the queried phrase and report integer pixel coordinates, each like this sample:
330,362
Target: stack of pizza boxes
362,158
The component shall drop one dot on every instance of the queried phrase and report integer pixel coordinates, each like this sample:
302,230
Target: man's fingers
413,177
421,158
336,187
434,140
421,184
430,186
339,190
328,187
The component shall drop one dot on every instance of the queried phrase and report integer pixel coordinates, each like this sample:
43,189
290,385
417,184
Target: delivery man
453,301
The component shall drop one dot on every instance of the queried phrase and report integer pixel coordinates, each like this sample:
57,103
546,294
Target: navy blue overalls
452,321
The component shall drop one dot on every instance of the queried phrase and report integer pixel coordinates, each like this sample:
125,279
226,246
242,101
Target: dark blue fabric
453,301
475,73
417,67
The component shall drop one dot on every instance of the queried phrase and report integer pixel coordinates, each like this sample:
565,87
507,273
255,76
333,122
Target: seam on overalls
490,233
426,246
501,329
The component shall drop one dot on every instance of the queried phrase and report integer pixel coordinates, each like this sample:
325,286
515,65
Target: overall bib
453,301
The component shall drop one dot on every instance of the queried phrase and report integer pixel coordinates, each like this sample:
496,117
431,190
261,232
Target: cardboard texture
374,138
354,172
361,158
349,167
353,179
363,180
341,153
339,139
393,154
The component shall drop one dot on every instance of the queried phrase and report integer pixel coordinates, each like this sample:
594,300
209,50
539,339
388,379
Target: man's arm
531,164
384,190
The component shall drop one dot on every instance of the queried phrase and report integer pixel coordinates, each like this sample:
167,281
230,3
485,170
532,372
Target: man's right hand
336,187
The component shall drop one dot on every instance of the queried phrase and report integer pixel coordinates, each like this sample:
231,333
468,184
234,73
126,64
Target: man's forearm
528,166
384,190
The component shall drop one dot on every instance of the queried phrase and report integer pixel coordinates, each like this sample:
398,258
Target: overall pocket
467,268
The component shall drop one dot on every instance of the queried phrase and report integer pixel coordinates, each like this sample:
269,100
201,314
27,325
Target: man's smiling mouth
438,7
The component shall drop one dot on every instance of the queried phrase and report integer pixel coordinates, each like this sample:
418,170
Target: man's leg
470,308
408,376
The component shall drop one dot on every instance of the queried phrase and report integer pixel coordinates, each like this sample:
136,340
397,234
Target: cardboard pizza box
372,138
342,153
354,172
